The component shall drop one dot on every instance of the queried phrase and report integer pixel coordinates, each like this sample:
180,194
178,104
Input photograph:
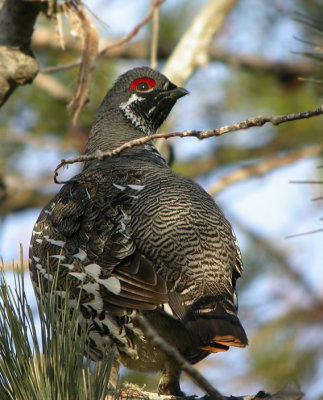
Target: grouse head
136,105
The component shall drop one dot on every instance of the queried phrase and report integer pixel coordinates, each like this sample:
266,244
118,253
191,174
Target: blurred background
253,68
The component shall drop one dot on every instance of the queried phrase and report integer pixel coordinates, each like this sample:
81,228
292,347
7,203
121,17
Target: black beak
176,93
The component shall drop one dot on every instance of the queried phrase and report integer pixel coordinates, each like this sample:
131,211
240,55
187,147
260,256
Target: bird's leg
169,381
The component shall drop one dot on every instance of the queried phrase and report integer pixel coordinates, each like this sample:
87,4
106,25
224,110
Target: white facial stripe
132,98
129,112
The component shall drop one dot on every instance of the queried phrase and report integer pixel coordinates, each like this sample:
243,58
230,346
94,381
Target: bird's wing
85,231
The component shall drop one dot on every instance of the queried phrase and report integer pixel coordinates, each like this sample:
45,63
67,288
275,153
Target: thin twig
308,182
303,234
135,30
175,356
154,37
315,199
62,67
112,45
248,123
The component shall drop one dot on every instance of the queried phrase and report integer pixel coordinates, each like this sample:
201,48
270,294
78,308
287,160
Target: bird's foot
170,389
169,381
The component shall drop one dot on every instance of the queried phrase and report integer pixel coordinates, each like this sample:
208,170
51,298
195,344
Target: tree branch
248,123
44,40
192,50
176,357
263,167
135,30
90,38
108,44
291,391
17,63
17,194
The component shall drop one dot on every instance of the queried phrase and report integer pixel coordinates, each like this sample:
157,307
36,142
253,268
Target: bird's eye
142,85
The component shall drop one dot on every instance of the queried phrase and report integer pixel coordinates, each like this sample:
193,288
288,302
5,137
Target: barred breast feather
141,240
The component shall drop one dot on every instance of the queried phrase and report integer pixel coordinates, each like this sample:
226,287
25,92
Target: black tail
216,330
213,328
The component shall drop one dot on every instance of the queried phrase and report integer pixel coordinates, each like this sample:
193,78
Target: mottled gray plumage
129,235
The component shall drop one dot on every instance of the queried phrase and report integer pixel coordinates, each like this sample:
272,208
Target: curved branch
248,123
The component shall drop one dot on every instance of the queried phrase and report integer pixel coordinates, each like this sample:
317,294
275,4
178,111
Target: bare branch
135,30
110,45
248,123
263,167
192,50
175,356
304,233
43,40
316,182
90,50
308,182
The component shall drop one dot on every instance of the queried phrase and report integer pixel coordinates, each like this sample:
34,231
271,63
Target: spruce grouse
131,236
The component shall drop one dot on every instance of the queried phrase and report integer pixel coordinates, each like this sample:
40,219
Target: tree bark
18,65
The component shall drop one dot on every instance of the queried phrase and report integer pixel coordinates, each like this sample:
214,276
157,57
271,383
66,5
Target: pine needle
45,360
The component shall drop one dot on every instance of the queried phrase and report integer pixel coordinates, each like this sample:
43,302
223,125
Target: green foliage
278,358
49,364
